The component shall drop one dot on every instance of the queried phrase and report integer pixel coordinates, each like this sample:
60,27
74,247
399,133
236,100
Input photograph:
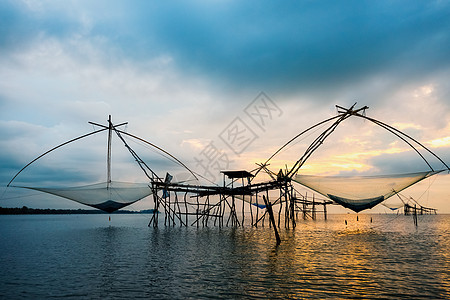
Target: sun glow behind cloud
442,142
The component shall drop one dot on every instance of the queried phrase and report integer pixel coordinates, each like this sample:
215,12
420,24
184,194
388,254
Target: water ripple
87,257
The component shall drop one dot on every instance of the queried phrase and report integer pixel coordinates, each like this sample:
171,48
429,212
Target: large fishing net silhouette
109,195
105,196
360,192
355,192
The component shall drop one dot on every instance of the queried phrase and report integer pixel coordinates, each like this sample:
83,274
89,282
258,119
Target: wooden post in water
415,215
264,215
288,205
178,206
243,203
281,207
197,210
222,202
292,200
166,213
251,208
207,210
257,209
272,219
186,208
313,209
305,198
154,217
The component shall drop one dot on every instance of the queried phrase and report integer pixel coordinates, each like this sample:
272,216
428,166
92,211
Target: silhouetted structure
194,204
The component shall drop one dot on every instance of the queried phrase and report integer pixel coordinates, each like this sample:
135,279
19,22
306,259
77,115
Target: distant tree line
47,211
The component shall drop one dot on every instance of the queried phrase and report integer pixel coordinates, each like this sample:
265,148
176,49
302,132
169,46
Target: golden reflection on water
383,259
373,257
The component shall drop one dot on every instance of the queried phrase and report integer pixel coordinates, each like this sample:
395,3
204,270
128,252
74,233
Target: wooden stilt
272,219
292,198
243,205
186,208
257,210
279,211
415,215
197,210
251,209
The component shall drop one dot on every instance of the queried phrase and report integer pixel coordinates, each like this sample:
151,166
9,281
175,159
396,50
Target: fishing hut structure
233,203
418,209
354,192
275,201
183,203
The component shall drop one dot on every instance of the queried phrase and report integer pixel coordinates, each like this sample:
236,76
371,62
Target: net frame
106,200
343,114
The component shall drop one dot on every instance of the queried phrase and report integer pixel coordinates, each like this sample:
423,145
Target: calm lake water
86,256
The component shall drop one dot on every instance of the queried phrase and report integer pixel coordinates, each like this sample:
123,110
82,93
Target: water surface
87,256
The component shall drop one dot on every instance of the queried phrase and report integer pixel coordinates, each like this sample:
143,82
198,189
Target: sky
221,85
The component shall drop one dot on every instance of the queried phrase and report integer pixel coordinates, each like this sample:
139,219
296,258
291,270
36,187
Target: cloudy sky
220,85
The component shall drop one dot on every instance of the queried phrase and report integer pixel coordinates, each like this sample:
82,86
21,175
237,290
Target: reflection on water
85,256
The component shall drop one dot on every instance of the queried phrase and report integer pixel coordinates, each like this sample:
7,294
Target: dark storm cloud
302,44
295,45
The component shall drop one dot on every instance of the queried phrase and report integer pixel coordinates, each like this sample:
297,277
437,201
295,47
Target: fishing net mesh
360,192
106,197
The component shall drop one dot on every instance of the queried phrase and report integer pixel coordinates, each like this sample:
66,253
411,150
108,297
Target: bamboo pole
108,159
272,220
243,203
186,208
198,207
281,207
292,200
257,209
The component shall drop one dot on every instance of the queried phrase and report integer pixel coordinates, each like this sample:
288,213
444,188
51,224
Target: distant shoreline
48,211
